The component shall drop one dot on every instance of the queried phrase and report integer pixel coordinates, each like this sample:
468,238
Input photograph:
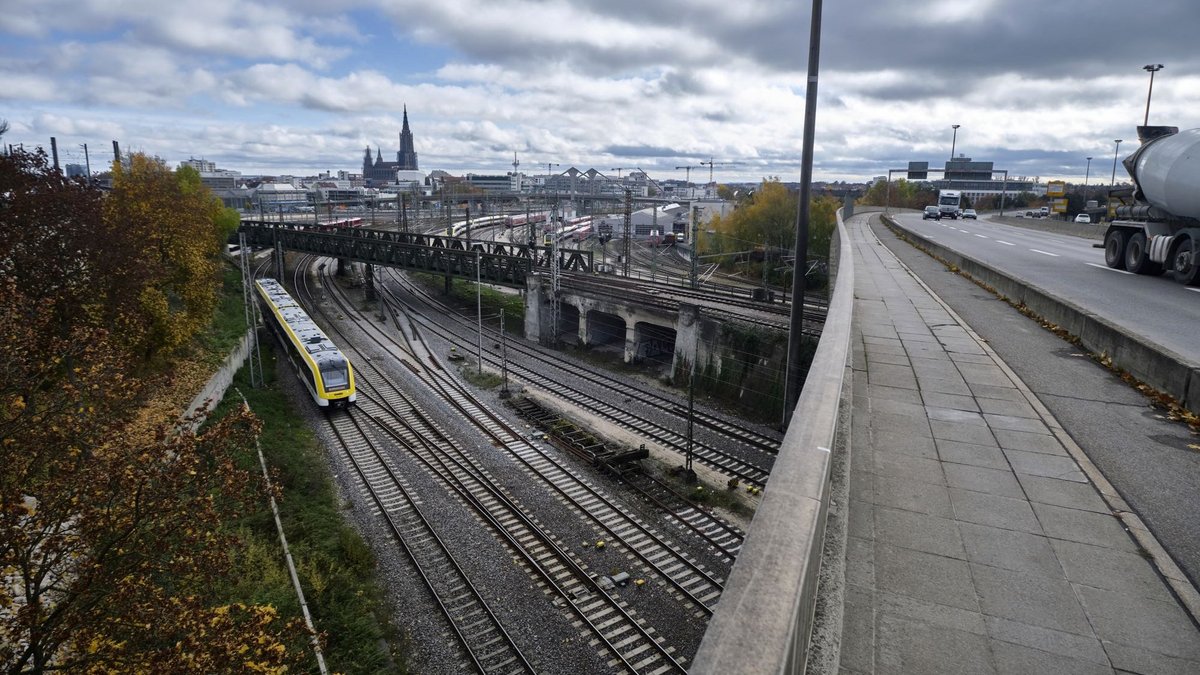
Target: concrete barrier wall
763,622
1153,364
215,389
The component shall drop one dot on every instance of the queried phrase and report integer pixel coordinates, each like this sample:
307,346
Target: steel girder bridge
493,262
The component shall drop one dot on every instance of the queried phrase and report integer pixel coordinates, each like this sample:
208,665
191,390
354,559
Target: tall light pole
1113,183
795,379
954,140
1152,69
1087,174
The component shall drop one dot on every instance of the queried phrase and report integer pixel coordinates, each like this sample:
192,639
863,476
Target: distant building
491,183
76,171
379,172
976,179
201,165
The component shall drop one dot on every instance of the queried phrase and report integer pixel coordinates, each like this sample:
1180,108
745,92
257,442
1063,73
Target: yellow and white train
325,372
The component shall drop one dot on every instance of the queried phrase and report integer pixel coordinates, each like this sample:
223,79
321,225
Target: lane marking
1110,269
1006,243
983,236
1052,255
1192,289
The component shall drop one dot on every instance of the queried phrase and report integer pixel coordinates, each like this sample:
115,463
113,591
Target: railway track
633,646
486,646
751,471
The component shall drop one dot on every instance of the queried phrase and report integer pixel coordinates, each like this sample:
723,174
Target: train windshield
336,374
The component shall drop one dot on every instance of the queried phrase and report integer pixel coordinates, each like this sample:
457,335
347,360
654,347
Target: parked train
515,221
320,365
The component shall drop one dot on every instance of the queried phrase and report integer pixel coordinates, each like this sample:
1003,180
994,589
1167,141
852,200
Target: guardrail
764,620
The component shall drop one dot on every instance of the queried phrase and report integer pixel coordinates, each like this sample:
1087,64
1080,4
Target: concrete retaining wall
215,389
764,620
1151,363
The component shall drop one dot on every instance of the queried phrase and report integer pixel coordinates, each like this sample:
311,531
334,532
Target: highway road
1151,461
1067,267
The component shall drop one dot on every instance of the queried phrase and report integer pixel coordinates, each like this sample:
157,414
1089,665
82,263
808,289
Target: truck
949,202
1156,223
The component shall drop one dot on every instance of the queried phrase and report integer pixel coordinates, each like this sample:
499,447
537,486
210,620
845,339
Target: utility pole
87,163
795,380
54,151
504,392
628,242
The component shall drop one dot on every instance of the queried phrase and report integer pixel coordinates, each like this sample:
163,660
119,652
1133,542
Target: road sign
1059,205
918,170
1056,188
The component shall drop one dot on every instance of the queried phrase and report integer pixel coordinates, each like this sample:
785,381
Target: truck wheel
1184,266
1137,256
1114,249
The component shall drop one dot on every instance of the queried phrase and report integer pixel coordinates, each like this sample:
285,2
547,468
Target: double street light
1151,68
1113,182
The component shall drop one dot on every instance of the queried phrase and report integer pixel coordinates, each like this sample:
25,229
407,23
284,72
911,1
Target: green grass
336,567
229,321
491,301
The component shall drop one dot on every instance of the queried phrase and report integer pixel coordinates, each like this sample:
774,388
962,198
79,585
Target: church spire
407,157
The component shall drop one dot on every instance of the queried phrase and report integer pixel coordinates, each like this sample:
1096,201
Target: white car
969,213
1083,218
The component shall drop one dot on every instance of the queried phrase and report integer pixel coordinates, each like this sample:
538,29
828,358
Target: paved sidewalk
976,542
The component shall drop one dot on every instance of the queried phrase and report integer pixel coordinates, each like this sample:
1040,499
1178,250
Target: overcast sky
302,86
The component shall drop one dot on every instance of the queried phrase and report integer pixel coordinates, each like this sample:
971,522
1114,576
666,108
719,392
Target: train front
337,381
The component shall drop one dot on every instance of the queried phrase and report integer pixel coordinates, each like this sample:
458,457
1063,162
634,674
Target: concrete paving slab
1008,392
909,467
932,578
996,406
1009,549
912,425
1131,659
897,359
953,415
907,646
943,616
1001,512
953,401
942,385
1060,467
1032,442
1159,627
899,493
861,519
1013,423
1032,599
965,433
1086,527
1013,658
1068,493
956,452
858,631
884,405
1048,641
889,375
1118,571
886,440
906,395
860,562
999,482
918,531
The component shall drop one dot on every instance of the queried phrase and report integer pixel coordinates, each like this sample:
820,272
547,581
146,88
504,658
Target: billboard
1059,205
1056,188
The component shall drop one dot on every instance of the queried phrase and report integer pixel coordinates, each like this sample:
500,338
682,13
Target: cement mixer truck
1156,227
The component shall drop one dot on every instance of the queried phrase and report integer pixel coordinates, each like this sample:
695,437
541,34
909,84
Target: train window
335,374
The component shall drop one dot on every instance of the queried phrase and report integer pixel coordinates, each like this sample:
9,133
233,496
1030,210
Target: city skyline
302,87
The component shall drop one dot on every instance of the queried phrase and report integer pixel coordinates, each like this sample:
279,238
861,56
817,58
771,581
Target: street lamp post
1087,174
1152,69
954,140
1113,182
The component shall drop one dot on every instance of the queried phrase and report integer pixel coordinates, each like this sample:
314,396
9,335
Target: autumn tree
110,533
177,225
766,221
900,193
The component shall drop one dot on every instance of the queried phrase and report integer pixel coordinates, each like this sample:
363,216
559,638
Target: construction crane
710,164
689,172
619,169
